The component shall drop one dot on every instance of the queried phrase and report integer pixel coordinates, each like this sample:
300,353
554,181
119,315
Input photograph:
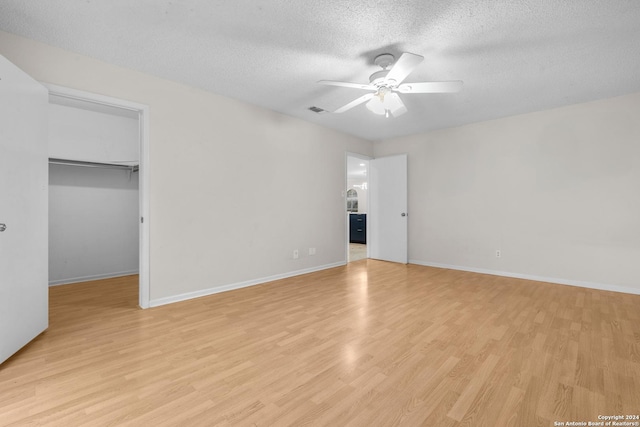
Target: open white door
24,178
387,222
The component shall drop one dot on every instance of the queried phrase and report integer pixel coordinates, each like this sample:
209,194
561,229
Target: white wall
93,223
558,192
79,134
234,187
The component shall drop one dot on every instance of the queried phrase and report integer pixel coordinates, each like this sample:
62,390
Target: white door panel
387,222
23,209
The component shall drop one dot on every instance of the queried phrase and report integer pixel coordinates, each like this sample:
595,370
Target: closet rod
131,168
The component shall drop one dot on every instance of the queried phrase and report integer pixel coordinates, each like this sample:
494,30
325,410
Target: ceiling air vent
317,110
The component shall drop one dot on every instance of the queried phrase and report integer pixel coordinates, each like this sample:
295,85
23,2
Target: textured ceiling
514,56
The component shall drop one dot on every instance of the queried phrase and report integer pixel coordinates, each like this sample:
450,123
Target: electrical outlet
312,251
498,254
296,254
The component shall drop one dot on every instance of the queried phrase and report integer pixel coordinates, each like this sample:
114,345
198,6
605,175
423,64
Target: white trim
96,98
233,286
144,193
93,277
144,294
579,283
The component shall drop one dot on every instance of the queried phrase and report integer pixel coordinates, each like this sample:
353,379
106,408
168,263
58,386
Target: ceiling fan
387,83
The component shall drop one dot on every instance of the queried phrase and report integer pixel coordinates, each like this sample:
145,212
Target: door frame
143,186
344,210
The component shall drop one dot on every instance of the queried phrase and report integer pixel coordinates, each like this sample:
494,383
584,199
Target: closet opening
97,197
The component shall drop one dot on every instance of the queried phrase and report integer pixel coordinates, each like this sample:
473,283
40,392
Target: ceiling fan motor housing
377,78
384,61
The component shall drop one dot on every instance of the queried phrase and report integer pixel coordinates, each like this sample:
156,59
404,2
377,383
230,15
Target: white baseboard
93,277
224,288
579,283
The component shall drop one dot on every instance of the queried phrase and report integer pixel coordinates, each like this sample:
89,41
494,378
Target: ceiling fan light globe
376,106
391,106
394,104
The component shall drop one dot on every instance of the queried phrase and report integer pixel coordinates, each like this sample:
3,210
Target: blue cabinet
358,228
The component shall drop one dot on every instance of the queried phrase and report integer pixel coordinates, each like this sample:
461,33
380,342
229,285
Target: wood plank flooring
368,344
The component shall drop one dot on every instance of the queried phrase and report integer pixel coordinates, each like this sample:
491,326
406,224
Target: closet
93,191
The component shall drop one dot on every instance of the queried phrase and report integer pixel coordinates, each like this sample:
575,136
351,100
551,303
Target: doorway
357,206
98,189
377,207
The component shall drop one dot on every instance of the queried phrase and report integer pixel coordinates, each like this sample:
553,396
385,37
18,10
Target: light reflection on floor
357,251
359,296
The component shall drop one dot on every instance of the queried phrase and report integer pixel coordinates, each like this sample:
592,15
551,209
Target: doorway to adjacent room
357,203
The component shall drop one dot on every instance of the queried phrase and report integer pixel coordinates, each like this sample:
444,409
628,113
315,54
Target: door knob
403,214
3,227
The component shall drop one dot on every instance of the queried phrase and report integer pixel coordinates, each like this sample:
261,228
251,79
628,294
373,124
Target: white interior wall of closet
93,212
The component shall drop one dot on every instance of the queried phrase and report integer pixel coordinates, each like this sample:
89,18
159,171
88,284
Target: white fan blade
347,84
431,87
355,102
402,67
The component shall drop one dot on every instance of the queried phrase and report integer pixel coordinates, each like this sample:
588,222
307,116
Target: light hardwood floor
368,344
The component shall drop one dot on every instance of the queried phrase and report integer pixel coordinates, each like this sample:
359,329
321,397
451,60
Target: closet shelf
67,162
